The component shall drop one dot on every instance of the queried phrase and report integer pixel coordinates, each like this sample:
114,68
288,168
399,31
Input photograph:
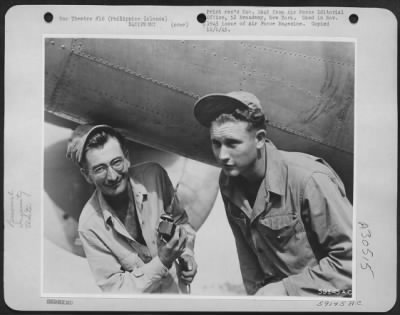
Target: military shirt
299,230
119,263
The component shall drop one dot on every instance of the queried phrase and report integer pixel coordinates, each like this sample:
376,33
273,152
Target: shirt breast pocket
278,229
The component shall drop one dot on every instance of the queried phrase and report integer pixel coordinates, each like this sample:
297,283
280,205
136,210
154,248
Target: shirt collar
139,194
276,175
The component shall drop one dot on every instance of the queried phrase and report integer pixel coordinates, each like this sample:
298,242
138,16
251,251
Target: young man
118,225
288,211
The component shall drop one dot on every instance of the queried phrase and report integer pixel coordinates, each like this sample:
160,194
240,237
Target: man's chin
116,191
231,172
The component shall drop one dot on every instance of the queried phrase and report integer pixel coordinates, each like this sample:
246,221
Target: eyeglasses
102,169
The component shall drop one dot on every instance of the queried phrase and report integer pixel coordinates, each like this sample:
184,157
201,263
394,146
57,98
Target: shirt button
142,222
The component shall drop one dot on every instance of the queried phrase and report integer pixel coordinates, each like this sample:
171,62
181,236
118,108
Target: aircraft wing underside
148,88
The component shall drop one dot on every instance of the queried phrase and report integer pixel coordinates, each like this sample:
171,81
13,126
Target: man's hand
187,274
273,289
170,251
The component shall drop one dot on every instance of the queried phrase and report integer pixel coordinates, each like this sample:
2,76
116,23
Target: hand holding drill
172,242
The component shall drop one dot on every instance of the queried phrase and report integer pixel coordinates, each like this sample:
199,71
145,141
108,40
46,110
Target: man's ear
261,135
85,174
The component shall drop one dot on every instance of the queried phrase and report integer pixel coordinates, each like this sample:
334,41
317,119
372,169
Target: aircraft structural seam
287,83
187,93
136,74
272,124
191,94
291,85
291,131
296,54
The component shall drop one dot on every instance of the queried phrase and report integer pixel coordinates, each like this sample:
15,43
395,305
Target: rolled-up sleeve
110,276
329,215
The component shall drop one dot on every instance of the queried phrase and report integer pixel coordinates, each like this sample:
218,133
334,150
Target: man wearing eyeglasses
118,224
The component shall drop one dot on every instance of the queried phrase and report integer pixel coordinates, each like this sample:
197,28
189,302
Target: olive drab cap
210,106
78,139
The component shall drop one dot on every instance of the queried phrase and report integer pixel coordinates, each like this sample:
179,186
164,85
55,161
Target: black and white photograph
257,137
200,158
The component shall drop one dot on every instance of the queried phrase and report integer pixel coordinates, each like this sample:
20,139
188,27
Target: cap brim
210,106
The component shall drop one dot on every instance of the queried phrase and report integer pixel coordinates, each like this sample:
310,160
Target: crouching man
288,211
118,224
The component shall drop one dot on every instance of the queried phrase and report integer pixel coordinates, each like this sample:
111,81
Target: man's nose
223,154
111,174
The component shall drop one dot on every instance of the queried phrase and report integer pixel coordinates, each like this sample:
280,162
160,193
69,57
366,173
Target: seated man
118,224
288,211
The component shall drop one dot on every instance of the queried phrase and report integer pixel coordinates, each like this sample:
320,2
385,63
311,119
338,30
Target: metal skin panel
148,89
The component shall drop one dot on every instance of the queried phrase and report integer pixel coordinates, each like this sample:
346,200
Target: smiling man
118,225
288,211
